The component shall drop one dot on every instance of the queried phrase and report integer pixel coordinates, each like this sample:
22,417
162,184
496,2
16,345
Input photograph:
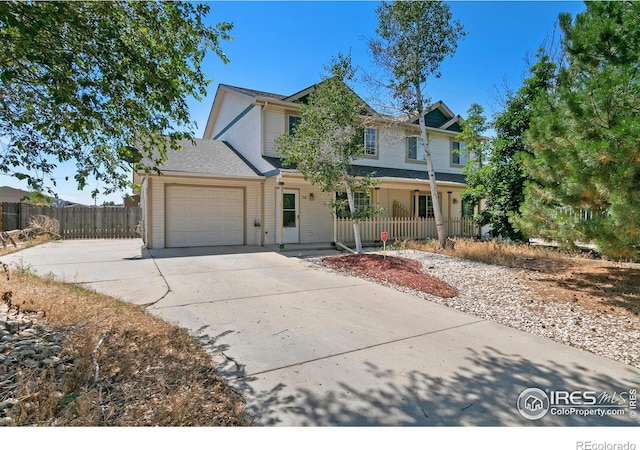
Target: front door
290,217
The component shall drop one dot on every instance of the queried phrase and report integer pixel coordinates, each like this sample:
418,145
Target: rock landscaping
25,346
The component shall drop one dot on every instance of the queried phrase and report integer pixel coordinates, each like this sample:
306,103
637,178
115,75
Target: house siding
392,145
274,126
156,196
245,136
232,105
316,218
269,226
392,150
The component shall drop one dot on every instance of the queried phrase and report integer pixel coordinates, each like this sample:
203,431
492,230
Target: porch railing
401,228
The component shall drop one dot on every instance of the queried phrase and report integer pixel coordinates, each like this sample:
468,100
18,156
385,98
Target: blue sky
283,47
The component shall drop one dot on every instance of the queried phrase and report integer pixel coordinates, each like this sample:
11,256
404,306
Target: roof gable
438,115
303,96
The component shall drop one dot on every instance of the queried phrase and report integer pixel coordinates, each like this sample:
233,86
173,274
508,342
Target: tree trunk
356,225
437,213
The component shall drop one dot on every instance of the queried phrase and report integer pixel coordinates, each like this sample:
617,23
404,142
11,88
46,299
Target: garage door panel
204,216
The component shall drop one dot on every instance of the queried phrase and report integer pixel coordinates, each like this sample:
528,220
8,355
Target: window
415,149
459,156
467,209
425,206
294,121
360,200
370,141
288,210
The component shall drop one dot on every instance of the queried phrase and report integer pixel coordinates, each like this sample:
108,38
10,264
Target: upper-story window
415,149
293,122
459,156
370,141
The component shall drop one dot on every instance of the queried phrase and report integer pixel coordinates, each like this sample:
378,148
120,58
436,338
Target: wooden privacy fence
77,222
400,228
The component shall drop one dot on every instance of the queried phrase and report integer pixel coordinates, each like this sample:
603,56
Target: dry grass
37,240
498,253
559,275
151,373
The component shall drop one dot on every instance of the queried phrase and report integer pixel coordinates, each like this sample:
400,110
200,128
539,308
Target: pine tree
477,146
584,136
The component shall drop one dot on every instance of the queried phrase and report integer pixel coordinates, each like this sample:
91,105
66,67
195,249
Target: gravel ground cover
517,298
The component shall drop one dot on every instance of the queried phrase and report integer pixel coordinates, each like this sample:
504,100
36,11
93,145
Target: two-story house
230,188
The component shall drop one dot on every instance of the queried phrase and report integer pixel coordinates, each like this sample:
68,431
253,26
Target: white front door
290,217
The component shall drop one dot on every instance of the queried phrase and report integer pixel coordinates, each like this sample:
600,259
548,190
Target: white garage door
204,216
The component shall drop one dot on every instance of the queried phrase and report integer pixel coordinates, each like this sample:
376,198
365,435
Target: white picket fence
401,228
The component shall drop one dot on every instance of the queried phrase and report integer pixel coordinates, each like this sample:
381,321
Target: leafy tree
328,138
501,181
415,37
584,136
39,199
477,146
88,81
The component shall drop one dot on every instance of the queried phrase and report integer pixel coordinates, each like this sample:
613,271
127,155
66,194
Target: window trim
464,205
367,195
287,122
406,154
424,194
364,143
451,154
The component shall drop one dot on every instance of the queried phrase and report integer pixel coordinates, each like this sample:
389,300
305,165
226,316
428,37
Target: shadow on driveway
484,394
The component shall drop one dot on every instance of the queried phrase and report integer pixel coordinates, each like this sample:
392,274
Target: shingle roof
255,93
386,172
208,157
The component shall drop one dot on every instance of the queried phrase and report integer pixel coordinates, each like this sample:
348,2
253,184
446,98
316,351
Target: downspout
280,212
262,189
335,224
262,137
143,201
262,213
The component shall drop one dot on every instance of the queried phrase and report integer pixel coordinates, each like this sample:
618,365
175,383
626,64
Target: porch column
448,213
416,215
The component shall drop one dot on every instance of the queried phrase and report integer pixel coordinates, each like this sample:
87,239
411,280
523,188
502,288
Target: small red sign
384,236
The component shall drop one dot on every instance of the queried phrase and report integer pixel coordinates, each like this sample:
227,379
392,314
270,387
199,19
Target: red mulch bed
399,271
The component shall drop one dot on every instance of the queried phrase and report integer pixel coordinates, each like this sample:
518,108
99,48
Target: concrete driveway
308,346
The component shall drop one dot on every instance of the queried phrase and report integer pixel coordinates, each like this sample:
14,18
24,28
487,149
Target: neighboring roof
386,172
208,157
12,195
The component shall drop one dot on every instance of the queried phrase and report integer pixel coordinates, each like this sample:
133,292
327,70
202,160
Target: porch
401,228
